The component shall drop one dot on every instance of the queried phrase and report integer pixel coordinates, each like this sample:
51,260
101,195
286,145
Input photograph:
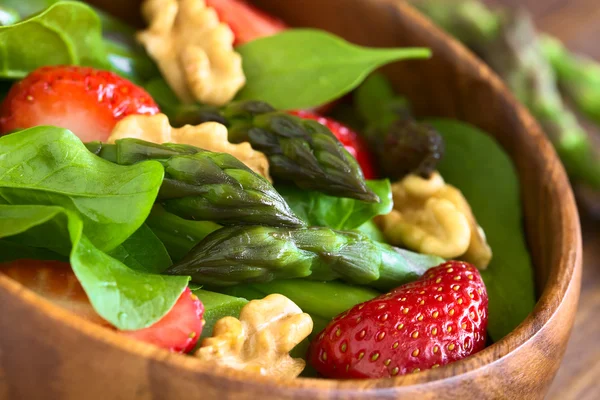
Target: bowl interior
452,84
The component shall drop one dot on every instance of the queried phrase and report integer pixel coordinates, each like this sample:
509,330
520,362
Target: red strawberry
246,22
350,139
55,281
434,321
87,101
177,331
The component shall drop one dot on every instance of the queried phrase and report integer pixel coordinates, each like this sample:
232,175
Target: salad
258,196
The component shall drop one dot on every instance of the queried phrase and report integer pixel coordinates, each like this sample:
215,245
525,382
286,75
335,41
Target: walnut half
260,341
210,136
193,50
432,217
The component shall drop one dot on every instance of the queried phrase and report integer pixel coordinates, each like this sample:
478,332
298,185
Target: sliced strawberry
434,321
177,331
246,22
55,281
350,139
87,101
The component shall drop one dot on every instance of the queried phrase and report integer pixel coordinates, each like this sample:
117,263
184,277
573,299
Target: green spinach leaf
371,229
125,56
126,298
318,209
65,33
143,251
481,169
48,165
303,68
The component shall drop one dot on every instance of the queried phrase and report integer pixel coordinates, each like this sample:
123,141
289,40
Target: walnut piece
193,50
432,217
210,136
260,341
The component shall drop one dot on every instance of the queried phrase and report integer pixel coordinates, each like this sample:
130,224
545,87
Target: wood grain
45,353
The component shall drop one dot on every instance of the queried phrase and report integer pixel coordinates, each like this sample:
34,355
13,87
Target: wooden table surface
577,23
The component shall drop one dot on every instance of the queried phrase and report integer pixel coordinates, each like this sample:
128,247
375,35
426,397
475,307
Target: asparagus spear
517,57
203,185
217,306
302,151
322,300
177,234
401,144
579,77
246,254
508,42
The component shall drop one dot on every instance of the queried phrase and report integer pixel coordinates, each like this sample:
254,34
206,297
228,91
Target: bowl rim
560,279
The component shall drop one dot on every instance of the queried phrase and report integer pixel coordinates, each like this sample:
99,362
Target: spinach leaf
126,298
303,68
8,16
29,7
143,251
48,165
65,33
162,93
124,55
481,169
371,229
318,209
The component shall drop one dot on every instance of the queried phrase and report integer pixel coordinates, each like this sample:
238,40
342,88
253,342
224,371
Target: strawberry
351,140
434,321
55,281
177,331
87,101
246,22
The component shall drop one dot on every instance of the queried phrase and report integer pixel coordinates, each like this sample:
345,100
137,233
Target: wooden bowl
46,353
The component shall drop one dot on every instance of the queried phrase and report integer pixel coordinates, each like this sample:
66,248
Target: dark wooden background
577,23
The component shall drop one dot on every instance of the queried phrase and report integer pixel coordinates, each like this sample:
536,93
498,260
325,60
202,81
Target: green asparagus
206,186
177,234
247,254
302,151
516,56
322,300
217,306
401,144
579,77
509,43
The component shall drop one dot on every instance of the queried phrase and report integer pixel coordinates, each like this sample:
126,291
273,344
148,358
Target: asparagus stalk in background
401,144
509,43
579,77
203,185
177,234
322,300
247,254
517,57
469,21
